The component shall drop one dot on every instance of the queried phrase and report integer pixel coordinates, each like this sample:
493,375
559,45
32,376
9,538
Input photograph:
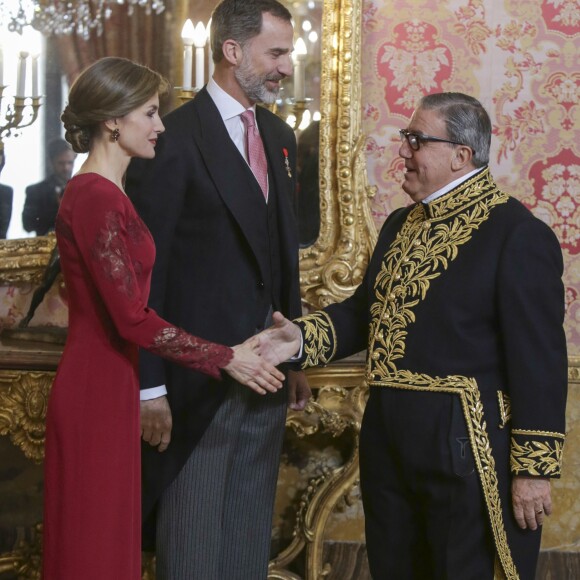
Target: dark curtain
145,38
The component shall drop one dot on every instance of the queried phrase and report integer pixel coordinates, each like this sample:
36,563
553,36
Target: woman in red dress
92,513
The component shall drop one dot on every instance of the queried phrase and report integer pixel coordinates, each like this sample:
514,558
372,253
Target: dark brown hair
241,20
111,87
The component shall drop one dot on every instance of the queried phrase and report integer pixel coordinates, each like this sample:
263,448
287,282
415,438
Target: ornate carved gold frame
333,266
331,269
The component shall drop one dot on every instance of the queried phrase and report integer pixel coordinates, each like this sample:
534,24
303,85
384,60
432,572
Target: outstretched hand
250,369
280,342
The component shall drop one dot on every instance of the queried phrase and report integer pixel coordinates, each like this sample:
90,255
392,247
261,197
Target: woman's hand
249,369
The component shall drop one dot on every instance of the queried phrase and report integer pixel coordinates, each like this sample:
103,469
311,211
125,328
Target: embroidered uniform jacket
223,256
464,296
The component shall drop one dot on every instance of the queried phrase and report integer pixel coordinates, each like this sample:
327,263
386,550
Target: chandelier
61,17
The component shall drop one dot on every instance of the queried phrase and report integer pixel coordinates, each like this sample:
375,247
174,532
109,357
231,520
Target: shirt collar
227,106
450,186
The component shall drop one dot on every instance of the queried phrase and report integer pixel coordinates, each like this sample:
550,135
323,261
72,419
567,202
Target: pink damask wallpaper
521,59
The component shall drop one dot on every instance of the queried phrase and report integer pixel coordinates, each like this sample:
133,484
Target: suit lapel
230,173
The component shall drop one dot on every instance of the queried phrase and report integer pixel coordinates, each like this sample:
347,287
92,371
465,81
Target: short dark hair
56,147
241,20
466,122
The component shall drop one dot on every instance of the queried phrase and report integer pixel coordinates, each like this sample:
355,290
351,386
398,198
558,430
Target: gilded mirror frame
333,266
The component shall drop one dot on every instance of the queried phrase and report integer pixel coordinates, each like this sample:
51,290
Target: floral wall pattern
521,59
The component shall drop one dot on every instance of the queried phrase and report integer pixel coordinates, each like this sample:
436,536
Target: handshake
254,362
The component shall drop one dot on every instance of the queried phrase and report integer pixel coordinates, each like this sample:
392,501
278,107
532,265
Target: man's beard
254,86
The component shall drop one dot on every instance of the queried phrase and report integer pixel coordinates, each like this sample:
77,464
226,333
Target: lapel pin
286,162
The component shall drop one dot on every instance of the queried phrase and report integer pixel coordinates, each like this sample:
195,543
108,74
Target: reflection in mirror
299,103
22,146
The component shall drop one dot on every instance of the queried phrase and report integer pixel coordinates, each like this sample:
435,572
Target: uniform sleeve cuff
536,453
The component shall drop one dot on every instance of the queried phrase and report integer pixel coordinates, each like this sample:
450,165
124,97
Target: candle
299,71
199,39
187,37
35,77
210,63
21,76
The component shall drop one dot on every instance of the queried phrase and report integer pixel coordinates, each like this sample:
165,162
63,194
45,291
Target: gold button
375,356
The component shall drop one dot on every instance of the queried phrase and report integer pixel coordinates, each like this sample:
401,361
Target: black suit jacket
204,209
6,194
41,205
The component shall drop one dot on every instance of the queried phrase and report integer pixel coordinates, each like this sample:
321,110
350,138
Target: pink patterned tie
255,151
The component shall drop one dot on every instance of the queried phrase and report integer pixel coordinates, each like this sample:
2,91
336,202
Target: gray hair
241,20
466,121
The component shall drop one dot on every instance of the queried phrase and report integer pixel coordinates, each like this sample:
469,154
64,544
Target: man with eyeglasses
461,312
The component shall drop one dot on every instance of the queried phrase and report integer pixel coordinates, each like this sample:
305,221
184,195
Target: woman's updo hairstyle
110,88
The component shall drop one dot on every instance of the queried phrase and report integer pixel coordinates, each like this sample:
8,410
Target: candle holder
299,107
185,95
15,114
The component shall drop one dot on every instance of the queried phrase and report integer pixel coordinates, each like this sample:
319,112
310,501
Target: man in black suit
6,195
43,198
461,311
227,256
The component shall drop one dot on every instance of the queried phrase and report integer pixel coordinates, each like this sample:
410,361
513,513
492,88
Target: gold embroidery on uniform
498,573
540,433
468,391
536,457
319,338
428,241
421,251
505,408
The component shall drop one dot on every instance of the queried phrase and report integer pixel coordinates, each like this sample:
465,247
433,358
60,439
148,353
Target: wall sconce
12,109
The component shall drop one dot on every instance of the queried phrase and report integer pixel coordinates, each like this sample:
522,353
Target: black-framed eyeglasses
416,139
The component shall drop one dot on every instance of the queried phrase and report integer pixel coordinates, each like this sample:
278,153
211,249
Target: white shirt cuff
152,393
298,355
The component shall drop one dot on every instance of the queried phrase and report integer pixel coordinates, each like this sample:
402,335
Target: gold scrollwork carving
337,408
24,260
25,561
23,403
331,269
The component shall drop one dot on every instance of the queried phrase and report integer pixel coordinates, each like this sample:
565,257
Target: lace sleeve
175,344
115,245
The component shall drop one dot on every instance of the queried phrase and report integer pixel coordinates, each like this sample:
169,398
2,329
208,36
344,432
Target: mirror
336,246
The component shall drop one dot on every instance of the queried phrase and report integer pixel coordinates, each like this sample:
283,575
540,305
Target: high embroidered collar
469,191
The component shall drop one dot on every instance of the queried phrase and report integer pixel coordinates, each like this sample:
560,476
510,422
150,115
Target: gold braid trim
319,338
468,392
541,433
505,408
537,453
421,251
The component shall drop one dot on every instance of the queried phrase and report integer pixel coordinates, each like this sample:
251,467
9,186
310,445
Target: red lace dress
92,501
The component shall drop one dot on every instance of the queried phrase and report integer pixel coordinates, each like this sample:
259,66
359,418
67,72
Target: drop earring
115,133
